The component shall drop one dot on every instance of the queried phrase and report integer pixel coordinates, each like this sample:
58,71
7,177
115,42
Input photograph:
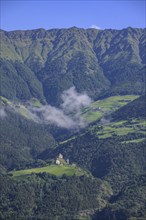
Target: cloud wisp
2,113
68,115
95,26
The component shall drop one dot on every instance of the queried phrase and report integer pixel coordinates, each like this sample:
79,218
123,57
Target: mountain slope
19,82
96,61
22,140
44,196
135,109
36,68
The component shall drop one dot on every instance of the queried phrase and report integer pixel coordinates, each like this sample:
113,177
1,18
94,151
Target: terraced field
121,128
107,129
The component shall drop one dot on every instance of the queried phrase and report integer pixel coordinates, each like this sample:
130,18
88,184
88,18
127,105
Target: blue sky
22,15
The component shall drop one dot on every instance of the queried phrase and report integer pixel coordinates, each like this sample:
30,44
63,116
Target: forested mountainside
78,94
43,63
113,154
22,140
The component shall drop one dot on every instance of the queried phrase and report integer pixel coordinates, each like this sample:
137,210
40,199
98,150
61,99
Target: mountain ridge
95,61
42,33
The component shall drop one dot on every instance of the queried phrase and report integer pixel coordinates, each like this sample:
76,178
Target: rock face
46,62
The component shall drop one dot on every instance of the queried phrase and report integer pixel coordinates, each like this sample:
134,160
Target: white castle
60,160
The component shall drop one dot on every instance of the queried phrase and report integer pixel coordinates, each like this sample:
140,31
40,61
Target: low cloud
49,114
104,121
73,101
2,113
68,115
95,26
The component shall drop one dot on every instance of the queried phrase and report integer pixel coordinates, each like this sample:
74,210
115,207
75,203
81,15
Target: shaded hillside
128,204
22,140
19,82
100,62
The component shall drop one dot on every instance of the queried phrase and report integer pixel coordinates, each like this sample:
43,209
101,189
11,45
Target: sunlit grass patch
93,116
122,128
57,170
133,141
101,107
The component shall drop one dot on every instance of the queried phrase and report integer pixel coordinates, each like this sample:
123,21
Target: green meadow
35,103
133,141
101,107
57,170
122,128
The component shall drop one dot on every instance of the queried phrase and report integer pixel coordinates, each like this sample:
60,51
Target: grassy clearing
21,108
122,122
104,135
134,141
35,103
141,123
83,218
101,107
57,170
63,142
122,128
114,101
23,111
93,116
4,101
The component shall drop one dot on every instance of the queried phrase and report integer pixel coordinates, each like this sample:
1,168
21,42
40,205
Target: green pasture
57,170
23,111
122,128
35,103
101,107
63,142
134,141
4,100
